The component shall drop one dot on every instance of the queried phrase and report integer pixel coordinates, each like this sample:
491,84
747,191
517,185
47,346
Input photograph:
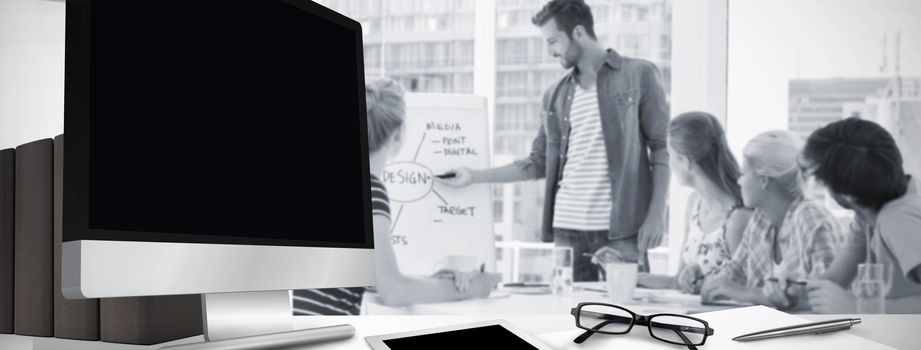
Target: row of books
31,303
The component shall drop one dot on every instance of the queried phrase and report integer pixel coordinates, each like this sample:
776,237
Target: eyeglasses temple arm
588,333
686,340
582,337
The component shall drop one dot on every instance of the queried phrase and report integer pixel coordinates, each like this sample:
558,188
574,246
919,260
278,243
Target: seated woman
789,239
386,111
700,158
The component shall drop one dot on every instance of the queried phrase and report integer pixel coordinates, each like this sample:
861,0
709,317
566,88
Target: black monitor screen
236,122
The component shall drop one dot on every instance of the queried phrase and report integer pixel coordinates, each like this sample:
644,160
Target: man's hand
827,297
463,177
605,255
690,279
651,233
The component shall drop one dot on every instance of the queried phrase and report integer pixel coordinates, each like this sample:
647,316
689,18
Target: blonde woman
386,111
789,239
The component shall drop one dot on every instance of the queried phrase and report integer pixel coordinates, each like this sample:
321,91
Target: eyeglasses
612,319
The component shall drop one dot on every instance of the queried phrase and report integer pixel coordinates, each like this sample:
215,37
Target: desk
528,312
894,330
646,301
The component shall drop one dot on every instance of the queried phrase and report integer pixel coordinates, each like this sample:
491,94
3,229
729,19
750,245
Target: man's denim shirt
634,121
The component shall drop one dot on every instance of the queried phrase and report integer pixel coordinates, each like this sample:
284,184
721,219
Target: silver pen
806,328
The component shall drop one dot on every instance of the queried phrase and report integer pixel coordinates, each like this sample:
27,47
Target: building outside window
800,76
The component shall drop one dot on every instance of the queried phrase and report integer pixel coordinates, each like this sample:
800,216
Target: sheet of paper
430,220
727,324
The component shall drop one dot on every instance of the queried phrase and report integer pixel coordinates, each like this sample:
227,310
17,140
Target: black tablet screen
488,337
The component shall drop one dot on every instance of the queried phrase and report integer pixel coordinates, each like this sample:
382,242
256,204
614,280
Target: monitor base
256,320
235,315
285,340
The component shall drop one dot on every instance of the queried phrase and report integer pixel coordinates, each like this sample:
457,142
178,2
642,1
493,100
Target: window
665,47
372,56
537,51
600,13
507,115
409,23
428,46
521,18
514,18
371,26
512,84
463,23
627,13
497,204
512,51
642,13
655,12
548,78
502,21
814,77
630,44
464,83
464,53
461,5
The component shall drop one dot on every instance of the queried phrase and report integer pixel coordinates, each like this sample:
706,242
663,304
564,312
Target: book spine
150,320
33,297
121,320
7,202
73,319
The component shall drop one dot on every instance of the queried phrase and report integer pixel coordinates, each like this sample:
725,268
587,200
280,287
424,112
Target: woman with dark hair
700,159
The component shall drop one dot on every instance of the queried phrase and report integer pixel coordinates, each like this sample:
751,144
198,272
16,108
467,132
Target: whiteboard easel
429,219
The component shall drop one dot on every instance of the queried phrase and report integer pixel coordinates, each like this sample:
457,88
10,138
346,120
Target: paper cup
621,280
658,260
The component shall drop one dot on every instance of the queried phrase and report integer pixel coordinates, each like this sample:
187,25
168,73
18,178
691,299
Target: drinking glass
870,288
561,276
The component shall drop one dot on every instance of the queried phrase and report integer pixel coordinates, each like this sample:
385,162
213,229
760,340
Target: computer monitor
214,146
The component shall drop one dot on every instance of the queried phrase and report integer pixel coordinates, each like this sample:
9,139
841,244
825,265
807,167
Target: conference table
538,314
519,302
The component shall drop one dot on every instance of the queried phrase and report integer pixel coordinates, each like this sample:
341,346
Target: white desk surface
536,314
646,301
898,331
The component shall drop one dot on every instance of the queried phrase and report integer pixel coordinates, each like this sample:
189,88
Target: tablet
495,334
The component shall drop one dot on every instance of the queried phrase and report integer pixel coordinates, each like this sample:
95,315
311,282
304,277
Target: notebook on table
726,325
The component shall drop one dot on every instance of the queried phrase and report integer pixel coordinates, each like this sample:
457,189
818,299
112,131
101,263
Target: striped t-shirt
583,201
341,301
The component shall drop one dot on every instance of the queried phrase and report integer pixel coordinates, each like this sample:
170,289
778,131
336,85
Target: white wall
31,70
774,41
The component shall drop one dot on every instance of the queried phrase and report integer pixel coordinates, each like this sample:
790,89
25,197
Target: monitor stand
256,320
